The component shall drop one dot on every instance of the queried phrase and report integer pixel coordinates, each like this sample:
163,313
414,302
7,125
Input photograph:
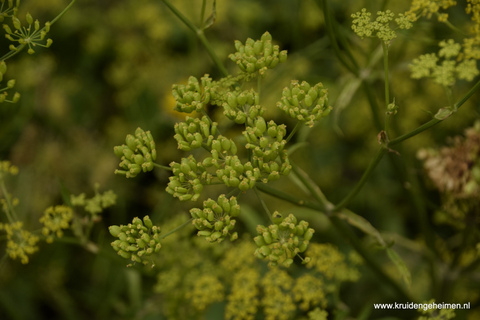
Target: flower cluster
363,25
30,36
426,8
257,56
215,221
434,313
243,299
10,85
305,103
137,155
309,290
188,179
449,69
7,168
242,106
331,263
195,133
8,9
55,220
267,143
20,242
8,201
206,290
97,203
278,302
280,242
194,96
471,44
137,240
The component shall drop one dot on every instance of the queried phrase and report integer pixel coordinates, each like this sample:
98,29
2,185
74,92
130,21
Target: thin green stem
200,35
162,167
264,205
362,180
451,26
434,121
202,13
386,70
313,188
292,133
176,229
265,188
367,88
62,13
351,65
259,89
386,83
380,274
345,231
10,211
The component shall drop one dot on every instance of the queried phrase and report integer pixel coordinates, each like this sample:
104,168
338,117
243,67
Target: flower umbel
195,133
55,220
97,203
215,221
20,243
194,96
137,154
257,56
137,241
30,36
8,9
7,168
280,242
304,102
444,67
381,28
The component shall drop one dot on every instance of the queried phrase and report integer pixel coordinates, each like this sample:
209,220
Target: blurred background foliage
110,69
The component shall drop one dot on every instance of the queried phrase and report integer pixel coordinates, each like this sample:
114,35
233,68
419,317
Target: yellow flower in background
54,220
20,243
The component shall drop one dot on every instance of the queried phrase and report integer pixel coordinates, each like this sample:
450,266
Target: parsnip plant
260,238
249,159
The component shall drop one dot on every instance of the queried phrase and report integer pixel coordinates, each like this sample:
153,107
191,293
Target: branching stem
200,35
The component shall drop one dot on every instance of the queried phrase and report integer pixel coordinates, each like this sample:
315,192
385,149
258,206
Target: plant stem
264,205
385,69
265,188
313,188
294,130
200,35
387,84
176,229
344,229
382,277
373,104
362,181
162,167
9,210
63,12
351,65
202,14
434,121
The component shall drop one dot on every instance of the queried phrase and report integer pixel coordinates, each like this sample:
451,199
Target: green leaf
213,16
363,224
401,266
444,113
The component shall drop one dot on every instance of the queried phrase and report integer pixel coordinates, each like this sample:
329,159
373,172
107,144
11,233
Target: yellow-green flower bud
283,240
